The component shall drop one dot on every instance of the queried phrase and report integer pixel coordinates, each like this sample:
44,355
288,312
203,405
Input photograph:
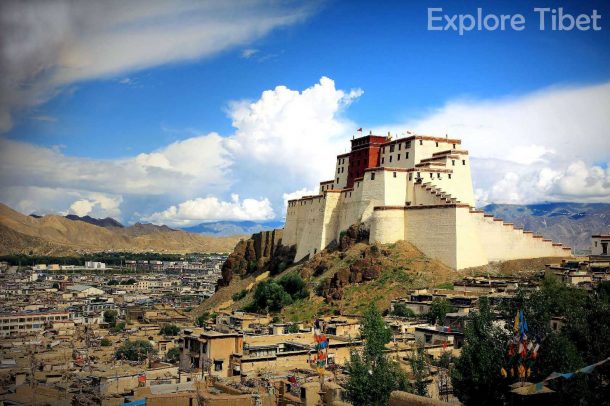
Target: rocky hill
57,235
571,224
344,278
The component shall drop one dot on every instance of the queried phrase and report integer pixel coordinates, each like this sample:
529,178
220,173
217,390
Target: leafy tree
438,310
105,342
113,282
137,350
401,310
294,285
201,319
110,317
476,377
293,328
372,376
173,355
270,295
420,370
170,330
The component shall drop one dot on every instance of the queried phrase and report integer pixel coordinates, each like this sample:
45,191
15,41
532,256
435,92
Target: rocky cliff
261,252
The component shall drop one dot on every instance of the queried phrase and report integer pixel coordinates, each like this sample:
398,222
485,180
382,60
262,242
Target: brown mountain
57,235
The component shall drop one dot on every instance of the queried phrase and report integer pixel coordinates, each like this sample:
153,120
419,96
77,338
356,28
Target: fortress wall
373,194
469,249
310,227
330,219
290,225
395,188
387,225
433,231
502,241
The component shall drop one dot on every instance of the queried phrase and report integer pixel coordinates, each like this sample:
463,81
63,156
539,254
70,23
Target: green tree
401,310
173,355
137,350
270,295
201,319
476,377
170,330
110,317
372,376
420,371
438,310
293,328
294,285
105,342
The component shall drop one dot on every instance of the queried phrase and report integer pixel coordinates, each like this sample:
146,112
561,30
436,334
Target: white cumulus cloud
211,208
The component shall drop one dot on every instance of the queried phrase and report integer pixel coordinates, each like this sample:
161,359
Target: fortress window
407,144
337,181
382,160
398,157
438,175
383,150
421,142
463,162
407,155
372,175
431,175
394,174
453,162
399,145
390,158
449,176
437,143
392,148
453,146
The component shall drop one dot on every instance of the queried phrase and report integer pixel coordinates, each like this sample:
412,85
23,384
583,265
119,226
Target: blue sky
407,75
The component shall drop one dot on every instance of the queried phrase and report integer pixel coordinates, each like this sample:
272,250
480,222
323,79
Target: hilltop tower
418,189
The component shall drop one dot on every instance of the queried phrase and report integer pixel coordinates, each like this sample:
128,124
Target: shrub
239,295
170,330
173,355
110,317
201,319
401,310
294,285
137,350
105,342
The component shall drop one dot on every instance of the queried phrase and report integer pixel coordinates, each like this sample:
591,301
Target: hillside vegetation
342,281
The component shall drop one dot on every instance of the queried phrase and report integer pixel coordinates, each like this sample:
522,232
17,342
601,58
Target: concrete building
418,189
27,323
600,246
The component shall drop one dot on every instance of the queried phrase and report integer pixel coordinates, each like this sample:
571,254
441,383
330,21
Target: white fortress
417,189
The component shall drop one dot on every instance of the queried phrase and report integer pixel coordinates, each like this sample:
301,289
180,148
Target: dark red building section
364,154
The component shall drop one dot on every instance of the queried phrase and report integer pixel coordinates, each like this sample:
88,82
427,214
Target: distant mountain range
226,228
569,223
58,235
106,222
